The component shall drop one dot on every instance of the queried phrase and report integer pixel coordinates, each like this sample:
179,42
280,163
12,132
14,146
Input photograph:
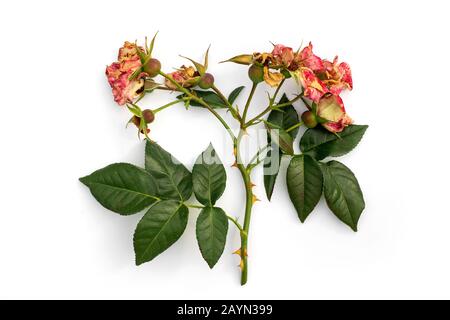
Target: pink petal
314,89
310,60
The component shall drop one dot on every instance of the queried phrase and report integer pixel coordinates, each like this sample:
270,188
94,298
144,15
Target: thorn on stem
239,252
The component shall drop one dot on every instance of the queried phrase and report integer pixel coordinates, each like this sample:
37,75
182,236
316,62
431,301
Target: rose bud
206,81
152,68
256,74
150,85
137,122
148,116
309,119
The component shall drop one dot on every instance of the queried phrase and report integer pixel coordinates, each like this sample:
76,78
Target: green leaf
209,177
135,110
212,229
343,193
160,228
319,143
209,97
122,188
284,119
283,140
271,169
235,94
174,180
304,182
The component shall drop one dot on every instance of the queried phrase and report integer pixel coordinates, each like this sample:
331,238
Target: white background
59,122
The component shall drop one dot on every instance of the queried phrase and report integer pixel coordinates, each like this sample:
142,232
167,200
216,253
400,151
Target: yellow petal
273,79
329,109
190,72
262,57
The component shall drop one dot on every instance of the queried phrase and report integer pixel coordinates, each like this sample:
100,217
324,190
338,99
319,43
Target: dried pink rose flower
319,77
283,55
184,77
307,59
331,109
128,51
337,76
119,73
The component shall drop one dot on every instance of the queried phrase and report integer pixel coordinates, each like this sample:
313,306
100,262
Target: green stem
249,100
238,225
298,125
202,102
287,104
194,206
242,169
249,197
252,164
278,91
248,214
225,100
271,107
165,89
235,222
168,105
